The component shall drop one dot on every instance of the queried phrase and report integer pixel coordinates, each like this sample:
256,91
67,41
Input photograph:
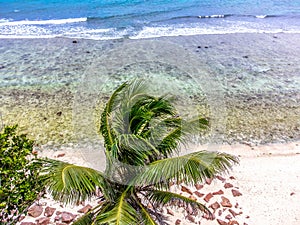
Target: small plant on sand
19,184
141,134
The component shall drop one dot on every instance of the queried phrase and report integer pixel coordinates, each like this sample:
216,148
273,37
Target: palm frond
105,127
121,214
147,219
165,197
71,183
192,168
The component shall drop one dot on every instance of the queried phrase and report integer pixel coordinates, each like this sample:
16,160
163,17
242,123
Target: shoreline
258,76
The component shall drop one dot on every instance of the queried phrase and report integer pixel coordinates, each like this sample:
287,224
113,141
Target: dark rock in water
199,47
2,67
74,41
59,113
35,211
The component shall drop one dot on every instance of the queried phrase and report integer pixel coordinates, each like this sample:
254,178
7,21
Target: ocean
138,19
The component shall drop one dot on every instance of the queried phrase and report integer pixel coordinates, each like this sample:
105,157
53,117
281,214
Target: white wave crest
43,22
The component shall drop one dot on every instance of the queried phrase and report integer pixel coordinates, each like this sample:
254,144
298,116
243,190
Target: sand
267,177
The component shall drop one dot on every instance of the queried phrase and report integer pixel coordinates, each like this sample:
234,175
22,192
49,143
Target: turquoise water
143,19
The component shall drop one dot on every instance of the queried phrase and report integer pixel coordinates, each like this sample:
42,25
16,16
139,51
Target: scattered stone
245,223
236,205
190,218
49,211
220,212
56,218
61,155
236,193
193,197
215,206
247,217
43,221
199,46
187,190
28,223
189,209
58,213
178,222
225,202
221,222
35,211
59,113
208,181
228,185
74,41
228,217
220,178
234,213
85,209
233,222
209,216
67,217
292,193
199,186
21,218
200,195
2,67
220,192
34,152
170,212
208,197
232,178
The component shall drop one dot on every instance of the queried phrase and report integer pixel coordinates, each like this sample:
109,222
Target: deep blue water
103,19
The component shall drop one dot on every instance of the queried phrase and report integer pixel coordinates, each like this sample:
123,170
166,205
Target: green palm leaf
192,168
122,214
164,197
71,183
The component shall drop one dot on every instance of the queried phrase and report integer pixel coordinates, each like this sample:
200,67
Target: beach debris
49,211
43,221
67,217
200,195
220,192
234,213
185,189
221,222
220,178
170,212
228,217
236,193
199,186
85,209
208,197
215,206
61,155
190,218
208,181
225,202
178,222
228,185
35,211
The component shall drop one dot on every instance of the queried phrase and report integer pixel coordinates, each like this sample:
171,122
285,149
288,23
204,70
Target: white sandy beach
267,177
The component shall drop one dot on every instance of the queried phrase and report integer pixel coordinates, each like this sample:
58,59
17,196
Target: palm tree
141,134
